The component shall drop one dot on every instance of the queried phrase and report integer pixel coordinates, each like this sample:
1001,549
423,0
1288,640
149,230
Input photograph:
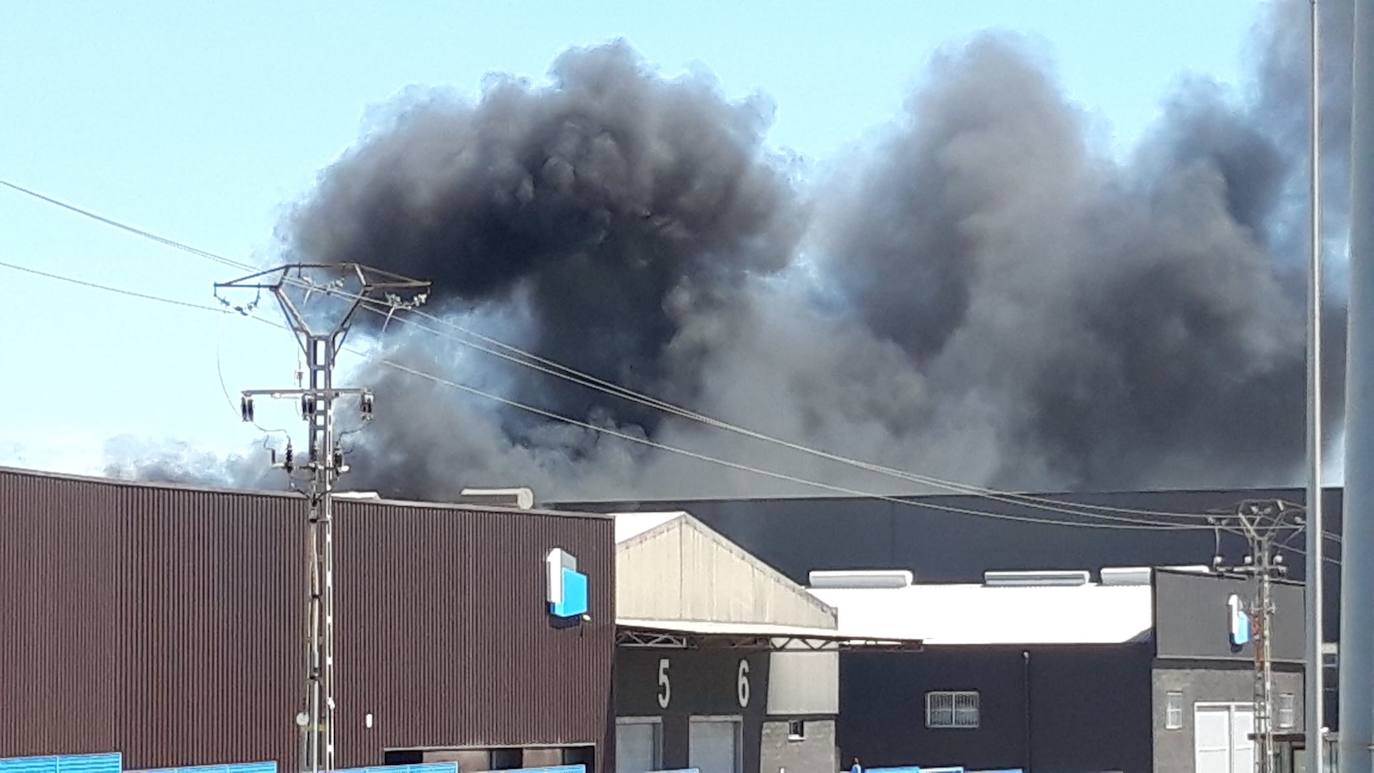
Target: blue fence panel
424,767
231,767
111,762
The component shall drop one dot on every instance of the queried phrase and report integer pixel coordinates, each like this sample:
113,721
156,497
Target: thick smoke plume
982,295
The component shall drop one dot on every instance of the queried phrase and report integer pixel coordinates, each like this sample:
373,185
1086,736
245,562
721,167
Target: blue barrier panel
232,767
111,762
902,769
424,767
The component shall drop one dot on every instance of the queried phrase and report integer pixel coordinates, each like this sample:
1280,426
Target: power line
119,290
644,441
558,370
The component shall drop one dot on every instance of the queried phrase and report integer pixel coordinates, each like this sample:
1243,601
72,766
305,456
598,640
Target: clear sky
205,121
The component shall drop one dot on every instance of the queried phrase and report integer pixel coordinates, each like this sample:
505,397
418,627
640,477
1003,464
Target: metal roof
979,614
700,634
631,525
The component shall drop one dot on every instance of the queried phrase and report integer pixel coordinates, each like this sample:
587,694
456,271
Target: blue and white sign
567,595
1239,621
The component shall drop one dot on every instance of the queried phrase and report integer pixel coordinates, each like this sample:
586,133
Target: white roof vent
520,498
1194,568
861,578
356,495
1037,578
1126,575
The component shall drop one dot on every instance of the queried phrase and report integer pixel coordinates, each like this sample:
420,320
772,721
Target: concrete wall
1207,682
685,571
815,753
804,683
1191,617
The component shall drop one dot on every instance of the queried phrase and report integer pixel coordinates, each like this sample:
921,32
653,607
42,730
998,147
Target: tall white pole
1313,696
1357,544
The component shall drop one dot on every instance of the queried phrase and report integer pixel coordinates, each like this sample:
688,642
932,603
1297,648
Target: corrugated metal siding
166,623
450,628
149,620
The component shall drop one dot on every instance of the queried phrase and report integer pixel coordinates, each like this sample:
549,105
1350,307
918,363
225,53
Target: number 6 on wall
742,684
665,688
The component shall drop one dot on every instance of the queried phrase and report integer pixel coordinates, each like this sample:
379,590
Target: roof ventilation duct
518,498
1038,578
1126,575
861,578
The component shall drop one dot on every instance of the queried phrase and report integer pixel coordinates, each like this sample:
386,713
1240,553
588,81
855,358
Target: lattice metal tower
1268,526
319,302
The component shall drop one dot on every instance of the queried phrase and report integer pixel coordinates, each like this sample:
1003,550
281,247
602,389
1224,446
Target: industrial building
935,538
1141,672
723,665
166,623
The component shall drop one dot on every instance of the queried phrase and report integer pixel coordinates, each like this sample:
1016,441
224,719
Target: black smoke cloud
599,208
982,295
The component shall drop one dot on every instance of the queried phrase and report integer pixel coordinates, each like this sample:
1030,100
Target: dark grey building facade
166,623
1133,707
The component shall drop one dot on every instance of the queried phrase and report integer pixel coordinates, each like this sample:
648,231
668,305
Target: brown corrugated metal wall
165,623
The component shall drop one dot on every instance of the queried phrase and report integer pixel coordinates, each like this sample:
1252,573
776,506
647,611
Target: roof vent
519,498
1193,568
1126,575
1039,578
861,578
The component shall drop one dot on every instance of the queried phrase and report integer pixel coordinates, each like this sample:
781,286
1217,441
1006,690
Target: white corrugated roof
978,614
631,525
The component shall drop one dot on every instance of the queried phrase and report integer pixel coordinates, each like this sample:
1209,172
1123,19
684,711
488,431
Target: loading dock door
1221,742
714,744
638,745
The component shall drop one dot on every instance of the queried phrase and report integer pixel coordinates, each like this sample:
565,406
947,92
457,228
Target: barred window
1287,710
1173,711
952,708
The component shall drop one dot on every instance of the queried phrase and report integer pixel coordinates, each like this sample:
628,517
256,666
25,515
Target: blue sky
204,122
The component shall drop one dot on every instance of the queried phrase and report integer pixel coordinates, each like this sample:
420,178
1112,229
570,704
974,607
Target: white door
713,745
1242,748
1221,739
637,746
1212,739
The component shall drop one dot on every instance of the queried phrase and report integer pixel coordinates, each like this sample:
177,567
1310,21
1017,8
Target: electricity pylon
344,287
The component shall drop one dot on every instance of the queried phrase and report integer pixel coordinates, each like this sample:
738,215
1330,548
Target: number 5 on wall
665,688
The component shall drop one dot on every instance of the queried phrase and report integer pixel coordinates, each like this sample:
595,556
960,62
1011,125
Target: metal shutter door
634,748
714,745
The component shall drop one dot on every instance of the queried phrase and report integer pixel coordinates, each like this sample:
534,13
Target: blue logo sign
567,587
1239,621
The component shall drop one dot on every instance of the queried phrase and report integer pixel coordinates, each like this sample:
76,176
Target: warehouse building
1141,672
723,665
166,623
936,538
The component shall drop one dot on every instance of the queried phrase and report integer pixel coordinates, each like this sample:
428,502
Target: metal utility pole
1312,686
319,301
1267,526
1357,539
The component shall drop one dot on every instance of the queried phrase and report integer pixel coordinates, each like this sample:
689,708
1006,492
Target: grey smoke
982,294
